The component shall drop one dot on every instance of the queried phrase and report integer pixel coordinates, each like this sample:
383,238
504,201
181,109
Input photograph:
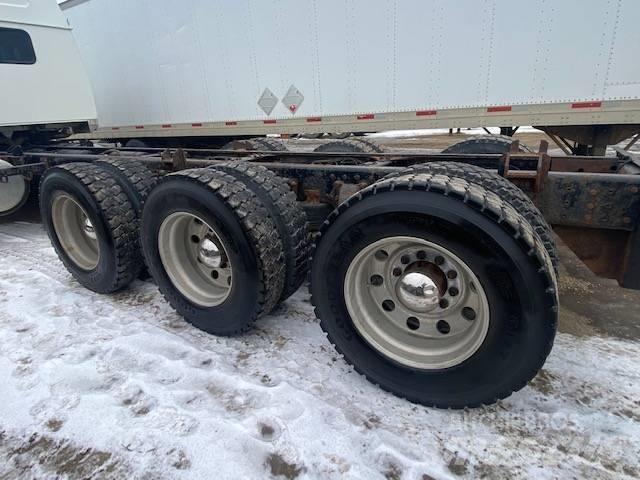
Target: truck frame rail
592,202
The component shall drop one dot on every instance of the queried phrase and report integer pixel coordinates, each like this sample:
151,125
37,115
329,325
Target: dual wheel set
437,283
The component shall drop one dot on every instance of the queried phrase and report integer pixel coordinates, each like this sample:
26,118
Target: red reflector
425,113
368,116
196,124
268,122
166,126
230,124
314,119
115,128
586,105
503,108
139,127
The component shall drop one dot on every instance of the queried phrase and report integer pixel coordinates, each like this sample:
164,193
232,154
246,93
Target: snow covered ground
120,386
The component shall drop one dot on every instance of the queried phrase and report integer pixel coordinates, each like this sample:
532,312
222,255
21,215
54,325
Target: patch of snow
122,385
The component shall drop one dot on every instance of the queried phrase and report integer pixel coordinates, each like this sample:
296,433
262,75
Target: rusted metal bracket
538,176
343,190
175,160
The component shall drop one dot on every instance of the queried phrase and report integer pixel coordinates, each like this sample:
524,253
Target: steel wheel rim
76,234
416,302
194,257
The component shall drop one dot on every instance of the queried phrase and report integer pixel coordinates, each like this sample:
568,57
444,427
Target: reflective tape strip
502,108
586,105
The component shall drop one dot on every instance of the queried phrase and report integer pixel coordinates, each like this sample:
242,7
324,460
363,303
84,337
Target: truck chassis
430,273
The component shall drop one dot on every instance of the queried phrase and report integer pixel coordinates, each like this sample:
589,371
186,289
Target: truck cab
45,90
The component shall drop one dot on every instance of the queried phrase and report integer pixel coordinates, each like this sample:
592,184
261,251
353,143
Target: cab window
16,47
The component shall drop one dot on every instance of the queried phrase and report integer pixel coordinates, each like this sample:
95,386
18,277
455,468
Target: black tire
310,136
484,231
247,229
242,144
501,187
338,136
112,216
372,145
137,181
136,143
344,146
484,144
291,221
271,144
256,144
135,178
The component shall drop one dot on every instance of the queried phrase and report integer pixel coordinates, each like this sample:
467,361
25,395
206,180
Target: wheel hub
418,291
209,253
416,302
195,259
88,228
75,232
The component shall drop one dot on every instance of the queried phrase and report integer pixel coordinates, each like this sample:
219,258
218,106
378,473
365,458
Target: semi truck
434,274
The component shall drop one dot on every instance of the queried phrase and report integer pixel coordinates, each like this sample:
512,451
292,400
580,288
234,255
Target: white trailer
241,68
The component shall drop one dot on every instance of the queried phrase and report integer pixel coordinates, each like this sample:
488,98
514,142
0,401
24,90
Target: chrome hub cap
195,259
416,302
89,231
418,292
209,253
75,232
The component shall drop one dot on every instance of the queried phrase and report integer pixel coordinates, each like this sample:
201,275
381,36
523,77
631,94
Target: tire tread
290,219
259,228
501,187
119,216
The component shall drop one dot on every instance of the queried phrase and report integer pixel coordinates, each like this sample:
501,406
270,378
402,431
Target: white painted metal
55,89
13,192
161,62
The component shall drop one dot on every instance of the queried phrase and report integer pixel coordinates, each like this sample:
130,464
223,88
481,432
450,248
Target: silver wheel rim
194,257
75,232
416,302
